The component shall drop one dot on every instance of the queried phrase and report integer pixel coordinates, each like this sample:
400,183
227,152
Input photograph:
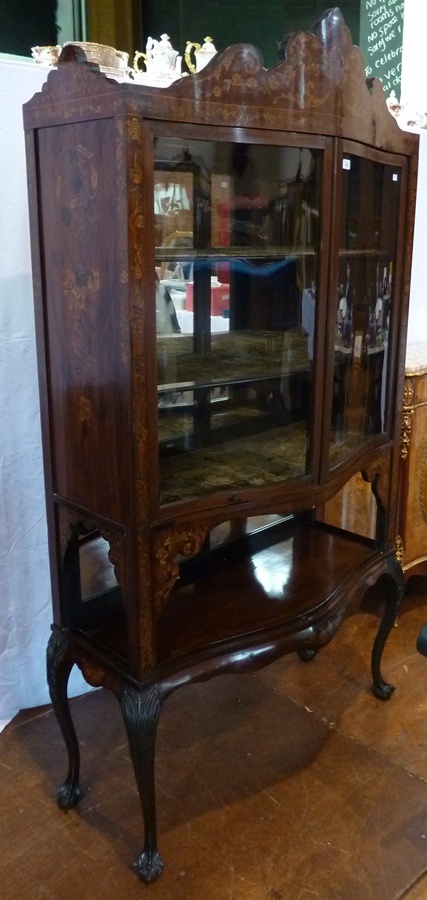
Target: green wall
23,25
231,21
227,21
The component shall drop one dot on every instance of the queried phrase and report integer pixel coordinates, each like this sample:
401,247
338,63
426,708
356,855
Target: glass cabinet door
370,197
237,264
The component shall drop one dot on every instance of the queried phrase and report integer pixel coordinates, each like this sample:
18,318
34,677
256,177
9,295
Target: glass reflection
237,234
272,571
91,596
368,240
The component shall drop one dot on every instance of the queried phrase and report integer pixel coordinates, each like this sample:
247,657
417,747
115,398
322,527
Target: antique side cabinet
411,540
221,275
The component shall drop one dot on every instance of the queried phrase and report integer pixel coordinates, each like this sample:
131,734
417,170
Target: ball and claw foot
149,866
382,691
68,795
306,654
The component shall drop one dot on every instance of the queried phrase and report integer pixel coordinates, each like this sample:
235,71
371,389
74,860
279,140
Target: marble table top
416,358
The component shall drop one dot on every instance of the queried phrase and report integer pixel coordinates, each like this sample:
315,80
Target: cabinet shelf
231,359
225,254
367,252
237,380
205,616
277,574
246,462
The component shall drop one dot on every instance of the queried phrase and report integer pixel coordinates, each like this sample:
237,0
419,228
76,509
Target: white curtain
25,598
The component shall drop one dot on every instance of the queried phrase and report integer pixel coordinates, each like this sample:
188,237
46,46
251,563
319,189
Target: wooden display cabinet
187,451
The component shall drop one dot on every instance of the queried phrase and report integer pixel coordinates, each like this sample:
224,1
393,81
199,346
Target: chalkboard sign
381,29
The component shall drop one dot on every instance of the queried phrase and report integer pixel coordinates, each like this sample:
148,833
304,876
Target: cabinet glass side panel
237,256
369,218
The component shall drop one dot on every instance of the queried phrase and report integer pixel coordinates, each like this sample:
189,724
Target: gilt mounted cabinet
221,277
411,534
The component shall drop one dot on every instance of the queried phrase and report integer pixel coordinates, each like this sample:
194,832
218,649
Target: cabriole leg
141,710
394,584
59,665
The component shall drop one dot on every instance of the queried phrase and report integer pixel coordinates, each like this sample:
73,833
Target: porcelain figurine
46,56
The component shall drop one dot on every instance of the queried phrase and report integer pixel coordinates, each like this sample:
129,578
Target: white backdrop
25,599
414,91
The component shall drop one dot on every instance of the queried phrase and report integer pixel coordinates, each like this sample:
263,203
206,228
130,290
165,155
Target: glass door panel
237,260
370,199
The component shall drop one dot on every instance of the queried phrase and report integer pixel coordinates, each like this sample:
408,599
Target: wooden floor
290,784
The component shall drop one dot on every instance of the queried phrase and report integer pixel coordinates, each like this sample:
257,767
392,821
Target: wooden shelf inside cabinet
223,254
367,252
232,357
174,421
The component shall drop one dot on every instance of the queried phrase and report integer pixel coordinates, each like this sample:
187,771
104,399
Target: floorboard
290,784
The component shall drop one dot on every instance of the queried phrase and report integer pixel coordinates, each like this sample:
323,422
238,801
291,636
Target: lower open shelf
279,582
288,586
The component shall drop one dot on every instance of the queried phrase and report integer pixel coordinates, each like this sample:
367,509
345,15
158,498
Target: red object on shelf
220,298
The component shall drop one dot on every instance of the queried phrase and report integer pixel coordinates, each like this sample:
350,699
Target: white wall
414,92
414,81
417,321
24,571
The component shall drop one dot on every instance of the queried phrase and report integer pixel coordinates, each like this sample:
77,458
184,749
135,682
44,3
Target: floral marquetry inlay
79,292
406,430
423,486
82,293
135,129
322,73
399,549
136,227
136,203
407,413
185,542
408,392
84,409
97,675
